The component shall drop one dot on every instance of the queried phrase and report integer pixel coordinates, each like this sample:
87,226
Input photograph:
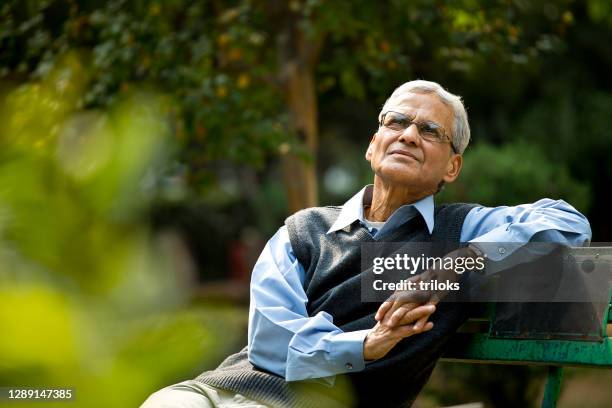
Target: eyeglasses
430,131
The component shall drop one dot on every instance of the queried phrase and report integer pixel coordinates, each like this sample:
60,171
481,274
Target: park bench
480,339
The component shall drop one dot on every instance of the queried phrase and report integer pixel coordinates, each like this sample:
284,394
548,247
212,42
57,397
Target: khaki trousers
193,394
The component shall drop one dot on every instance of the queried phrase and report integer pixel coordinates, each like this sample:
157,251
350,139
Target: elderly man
311,340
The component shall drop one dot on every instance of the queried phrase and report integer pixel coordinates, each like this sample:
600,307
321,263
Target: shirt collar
352,210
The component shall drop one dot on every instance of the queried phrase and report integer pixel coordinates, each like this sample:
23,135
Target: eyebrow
412,119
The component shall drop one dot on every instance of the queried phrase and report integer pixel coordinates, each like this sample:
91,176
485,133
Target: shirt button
501,250
349,366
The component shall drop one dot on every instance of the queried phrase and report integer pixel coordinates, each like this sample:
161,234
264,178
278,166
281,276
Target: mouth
403,153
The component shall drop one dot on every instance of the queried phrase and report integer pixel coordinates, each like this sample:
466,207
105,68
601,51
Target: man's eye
396,123
429,130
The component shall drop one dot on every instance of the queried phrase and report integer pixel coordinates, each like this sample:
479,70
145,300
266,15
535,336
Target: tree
246,76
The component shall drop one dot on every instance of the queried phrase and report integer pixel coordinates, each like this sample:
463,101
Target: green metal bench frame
481,347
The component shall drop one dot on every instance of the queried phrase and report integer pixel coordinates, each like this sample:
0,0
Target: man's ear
453,168
368,154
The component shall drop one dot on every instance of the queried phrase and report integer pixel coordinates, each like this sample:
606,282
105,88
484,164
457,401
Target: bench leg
553,387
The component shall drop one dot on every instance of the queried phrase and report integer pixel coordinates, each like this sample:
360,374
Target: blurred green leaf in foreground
87,299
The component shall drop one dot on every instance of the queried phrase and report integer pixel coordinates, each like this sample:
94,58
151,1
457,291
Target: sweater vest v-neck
332,284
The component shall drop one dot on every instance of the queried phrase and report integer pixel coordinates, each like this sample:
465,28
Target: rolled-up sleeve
282,337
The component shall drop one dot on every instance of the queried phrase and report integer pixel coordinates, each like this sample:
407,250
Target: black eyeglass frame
444,138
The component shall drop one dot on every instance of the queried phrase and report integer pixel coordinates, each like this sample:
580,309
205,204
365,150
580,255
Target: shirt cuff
498,244
347,351
495,254
513,254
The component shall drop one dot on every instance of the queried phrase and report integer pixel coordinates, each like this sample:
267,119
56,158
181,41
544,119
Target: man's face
406,160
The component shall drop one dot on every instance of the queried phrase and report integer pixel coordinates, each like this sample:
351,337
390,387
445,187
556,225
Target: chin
399,178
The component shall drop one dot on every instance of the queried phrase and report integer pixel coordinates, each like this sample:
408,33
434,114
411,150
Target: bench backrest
484,340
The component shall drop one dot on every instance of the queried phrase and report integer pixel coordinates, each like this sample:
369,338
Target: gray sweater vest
332,284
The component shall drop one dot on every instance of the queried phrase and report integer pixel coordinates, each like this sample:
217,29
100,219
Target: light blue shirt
283,339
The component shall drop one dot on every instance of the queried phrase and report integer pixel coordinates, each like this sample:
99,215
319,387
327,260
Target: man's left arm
499,231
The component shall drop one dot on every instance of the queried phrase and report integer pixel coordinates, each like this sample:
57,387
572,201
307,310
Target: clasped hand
407,312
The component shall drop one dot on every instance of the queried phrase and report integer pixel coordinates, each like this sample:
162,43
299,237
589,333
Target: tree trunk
298,56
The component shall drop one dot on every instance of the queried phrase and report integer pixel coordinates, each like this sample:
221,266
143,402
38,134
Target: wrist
374,345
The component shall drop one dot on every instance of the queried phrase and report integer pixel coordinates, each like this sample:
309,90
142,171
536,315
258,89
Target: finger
420,324
407,296
411,317
394,306
400,312
404,331
382,310
398,299
408,330
417,314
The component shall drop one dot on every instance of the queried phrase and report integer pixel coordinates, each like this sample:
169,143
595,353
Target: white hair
461,128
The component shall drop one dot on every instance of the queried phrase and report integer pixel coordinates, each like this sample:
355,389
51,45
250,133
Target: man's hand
400,314
384,336
404,300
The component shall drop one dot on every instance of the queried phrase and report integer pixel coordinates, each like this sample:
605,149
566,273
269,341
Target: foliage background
147,146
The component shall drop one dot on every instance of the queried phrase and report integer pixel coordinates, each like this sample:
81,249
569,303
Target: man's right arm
282,337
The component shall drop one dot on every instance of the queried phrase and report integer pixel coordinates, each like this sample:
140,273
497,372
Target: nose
410,135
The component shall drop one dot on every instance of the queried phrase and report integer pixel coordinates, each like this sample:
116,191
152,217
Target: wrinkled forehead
421,106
